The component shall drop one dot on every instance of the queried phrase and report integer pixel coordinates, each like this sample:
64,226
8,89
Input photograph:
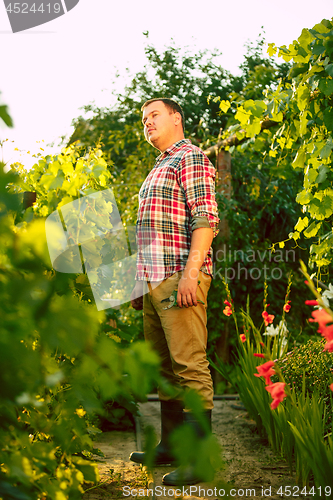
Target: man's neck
162,150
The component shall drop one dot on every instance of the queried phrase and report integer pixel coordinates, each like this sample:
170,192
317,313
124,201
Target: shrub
308,368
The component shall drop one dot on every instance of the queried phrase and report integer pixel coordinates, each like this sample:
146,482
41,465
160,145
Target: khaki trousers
179,336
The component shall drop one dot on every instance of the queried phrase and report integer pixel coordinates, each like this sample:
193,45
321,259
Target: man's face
161,128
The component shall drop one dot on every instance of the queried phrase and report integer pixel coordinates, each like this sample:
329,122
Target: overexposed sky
49,72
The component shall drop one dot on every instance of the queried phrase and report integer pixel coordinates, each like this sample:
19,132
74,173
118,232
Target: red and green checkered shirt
179,188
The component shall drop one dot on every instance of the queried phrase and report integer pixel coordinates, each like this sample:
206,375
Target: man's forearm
200,244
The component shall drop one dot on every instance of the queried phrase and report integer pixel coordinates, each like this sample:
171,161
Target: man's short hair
172,106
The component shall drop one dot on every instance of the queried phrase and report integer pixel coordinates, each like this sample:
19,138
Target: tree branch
234,141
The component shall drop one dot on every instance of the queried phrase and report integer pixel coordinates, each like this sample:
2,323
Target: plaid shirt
180,186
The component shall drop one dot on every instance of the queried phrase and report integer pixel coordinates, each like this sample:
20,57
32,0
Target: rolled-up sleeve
196,175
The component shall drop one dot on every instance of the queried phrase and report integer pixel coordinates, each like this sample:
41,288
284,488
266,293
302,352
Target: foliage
60,179
298,422
60,358
263,197
187,76
302,108
282,426
308,368
262,209
5,116
316,453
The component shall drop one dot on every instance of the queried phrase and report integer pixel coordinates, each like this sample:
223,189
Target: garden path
251,469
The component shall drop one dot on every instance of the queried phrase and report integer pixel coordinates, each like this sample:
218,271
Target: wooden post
223,185
29,198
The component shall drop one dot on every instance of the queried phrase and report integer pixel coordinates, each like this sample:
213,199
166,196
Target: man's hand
137,296
187,291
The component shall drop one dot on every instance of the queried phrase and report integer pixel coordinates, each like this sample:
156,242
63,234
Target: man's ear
177,118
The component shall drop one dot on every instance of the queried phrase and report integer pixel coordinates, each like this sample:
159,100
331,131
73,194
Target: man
177,220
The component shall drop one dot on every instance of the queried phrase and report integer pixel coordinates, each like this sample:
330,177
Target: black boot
186,474
171,418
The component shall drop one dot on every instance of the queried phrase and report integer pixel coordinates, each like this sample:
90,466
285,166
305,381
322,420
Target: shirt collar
174,147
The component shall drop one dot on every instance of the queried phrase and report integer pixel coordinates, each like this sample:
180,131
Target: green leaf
321,209
224,106
312,230
328,118
303,97
242,116
326,86
294,236
301,224
299,159
303,126
58,181
5,116
322,175
271,49
304,197
305,38
254,128
329,69
318,48
298,69
326,151
310,177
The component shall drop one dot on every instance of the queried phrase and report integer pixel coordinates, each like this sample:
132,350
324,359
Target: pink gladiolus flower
268,318
329,346
311,302
321,317
327,332
266,370
277,392
242,337
227,311
259,355
287,306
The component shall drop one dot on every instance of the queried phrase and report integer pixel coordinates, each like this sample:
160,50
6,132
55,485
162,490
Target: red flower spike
259,355
242,337
227,303
321,317
266,370
287,306
327,332
329,346
311,302
227,311
268,318
277,392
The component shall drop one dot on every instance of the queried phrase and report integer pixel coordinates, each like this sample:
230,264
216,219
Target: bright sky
50,71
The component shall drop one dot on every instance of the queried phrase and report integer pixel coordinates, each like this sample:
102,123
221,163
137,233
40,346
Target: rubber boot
171,418
185,474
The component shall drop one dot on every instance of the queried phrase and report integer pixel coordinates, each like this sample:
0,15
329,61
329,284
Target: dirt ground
251,469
